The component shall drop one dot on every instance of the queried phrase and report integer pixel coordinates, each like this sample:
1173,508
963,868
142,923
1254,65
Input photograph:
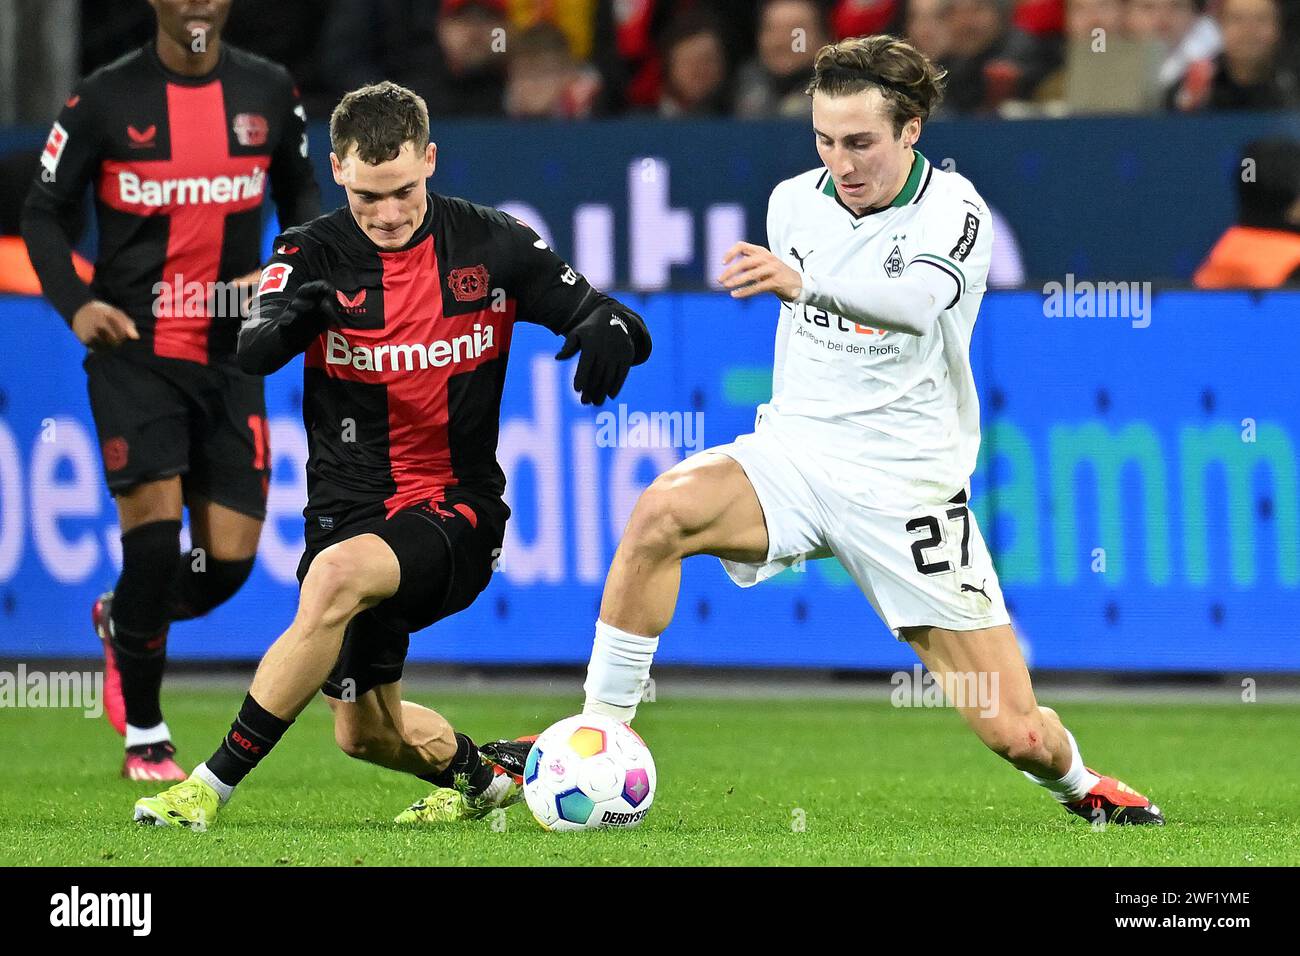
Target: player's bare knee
330,596
666,516
1019,740
653,528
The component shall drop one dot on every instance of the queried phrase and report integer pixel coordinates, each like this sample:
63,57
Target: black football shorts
158,417
446,550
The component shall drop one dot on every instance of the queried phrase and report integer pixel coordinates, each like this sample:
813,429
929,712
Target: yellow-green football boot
190,804
451,805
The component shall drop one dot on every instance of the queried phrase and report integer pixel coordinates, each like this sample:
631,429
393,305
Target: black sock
468,764
141,661
250,738
139,617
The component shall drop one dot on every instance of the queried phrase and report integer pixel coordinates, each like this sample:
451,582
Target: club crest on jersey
469,283
250,129
115,452
354,304
894,264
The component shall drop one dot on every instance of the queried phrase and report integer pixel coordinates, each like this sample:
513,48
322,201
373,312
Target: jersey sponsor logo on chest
475,344
134,190
814,319
822,319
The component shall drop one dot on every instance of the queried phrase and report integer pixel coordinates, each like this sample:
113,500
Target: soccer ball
587,773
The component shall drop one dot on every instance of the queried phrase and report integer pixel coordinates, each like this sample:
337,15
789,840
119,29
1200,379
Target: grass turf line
876,785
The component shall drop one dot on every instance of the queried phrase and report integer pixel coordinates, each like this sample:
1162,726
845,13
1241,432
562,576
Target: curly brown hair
909,82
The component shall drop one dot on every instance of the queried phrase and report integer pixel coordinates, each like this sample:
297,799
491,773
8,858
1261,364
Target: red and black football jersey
402,397
179,166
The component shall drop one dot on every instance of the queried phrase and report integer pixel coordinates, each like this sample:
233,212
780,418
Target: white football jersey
904,405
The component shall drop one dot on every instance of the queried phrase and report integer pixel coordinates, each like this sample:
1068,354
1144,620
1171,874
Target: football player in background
179,140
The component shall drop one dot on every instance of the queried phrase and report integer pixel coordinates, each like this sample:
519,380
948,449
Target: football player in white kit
879,259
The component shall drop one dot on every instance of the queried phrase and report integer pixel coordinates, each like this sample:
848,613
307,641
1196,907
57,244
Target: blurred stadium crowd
747,59
574,59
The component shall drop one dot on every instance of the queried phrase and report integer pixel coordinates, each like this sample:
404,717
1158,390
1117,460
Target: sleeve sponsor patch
274,278
54,146
967,241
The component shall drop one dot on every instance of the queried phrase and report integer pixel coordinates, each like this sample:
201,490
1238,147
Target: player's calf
381,728
705,505
136,625
203,587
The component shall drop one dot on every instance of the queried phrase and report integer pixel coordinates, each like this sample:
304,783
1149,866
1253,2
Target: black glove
310,311
607,355
314,299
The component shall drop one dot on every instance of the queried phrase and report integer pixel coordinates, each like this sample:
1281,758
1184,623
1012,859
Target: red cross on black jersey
402,394
180,167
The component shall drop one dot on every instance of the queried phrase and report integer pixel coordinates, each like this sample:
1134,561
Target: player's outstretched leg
343,580
704,505
381,728
983,674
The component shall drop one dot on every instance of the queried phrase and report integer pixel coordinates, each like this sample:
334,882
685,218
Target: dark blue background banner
650,205
1138,486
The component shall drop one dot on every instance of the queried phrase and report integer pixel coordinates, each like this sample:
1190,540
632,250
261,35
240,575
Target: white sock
617,672
1076,783
224,790
139,736
497,790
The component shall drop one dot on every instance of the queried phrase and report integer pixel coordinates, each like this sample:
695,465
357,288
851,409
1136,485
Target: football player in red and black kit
404,303
180,140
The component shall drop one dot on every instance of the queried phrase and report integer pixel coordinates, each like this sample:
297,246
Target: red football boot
1113,801
152,762
114,704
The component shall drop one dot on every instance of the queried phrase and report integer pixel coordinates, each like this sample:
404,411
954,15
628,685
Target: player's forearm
51,255
911,303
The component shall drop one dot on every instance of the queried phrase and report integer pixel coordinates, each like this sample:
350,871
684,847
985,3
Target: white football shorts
915,550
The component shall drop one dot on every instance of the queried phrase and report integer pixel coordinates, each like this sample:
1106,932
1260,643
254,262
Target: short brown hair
909,82
379,119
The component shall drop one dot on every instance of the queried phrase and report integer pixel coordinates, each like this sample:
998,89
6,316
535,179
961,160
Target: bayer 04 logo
587,773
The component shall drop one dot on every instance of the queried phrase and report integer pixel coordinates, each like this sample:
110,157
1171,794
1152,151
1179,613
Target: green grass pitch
872,784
